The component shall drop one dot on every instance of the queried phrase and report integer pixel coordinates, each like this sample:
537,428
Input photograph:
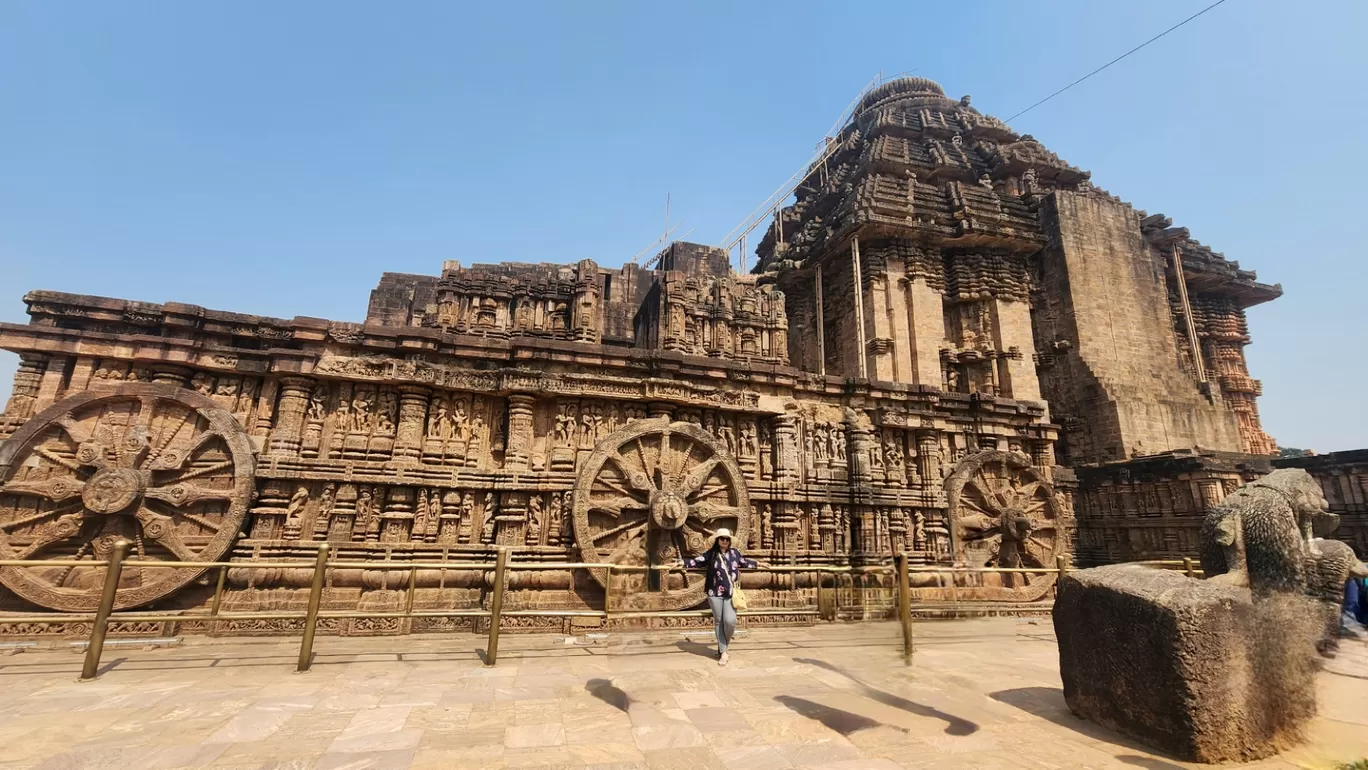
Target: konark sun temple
951,345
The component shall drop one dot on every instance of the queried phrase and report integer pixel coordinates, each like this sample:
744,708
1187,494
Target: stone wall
1102,313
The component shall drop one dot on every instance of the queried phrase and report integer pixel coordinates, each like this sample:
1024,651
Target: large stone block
1190,667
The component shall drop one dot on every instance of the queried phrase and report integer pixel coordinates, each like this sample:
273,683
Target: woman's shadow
953,725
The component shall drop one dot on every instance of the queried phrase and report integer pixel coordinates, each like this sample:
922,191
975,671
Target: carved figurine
487,532
387,412
318,403
534,522
295,510
555,521
326,503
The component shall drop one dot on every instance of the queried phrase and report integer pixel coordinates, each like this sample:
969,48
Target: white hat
721,533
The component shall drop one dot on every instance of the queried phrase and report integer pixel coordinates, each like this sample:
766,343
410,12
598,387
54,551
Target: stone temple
952,344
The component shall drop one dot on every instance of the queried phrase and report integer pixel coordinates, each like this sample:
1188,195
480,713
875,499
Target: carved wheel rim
1005,514
652,492
160,466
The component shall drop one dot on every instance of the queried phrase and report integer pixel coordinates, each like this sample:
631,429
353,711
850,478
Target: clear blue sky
275,158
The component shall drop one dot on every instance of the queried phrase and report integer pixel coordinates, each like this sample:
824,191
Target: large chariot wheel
160,466
1004,513
652,492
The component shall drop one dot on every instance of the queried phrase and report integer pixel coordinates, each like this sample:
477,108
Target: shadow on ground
1147,762
609,693
1048,703
953,725
841,721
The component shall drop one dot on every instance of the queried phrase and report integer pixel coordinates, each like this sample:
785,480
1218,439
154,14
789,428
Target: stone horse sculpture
1264,536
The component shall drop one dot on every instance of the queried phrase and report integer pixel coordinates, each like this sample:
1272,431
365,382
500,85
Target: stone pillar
288,433
1012,335
657,409
821,324
27,381
861,444
926,331
881,341
928,465
786,466
408,439
519,446
396,518
51,384
857,289
1212,491
268,515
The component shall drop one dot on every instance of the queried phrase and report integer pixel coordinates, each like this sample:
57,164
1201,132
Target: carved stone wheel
650,493
160,466
1004,514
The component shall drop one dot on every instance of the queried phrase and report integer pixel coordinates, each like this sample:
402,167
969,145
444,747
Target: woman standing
722,565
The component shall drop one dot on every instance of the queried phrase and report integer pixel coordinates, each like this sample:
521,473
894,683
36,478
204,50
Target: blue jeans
724,620
1355,603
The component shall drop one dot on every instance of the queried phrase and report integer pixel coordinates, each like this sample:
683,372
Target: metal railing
104,613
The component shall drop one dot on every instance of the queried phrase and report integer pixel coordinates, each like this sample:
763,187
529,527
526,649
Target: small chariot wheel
650,493
160,466
1003,513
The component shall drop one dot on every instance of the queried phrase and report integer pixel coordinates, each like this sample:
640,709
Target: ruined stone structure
946,317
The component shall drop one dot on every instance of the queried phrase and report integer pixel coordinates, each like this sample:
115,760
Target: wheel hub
668,510
112,490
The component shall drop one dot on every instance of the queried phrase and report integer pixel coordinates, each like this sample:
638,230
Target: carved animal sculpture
1329,566
1259,535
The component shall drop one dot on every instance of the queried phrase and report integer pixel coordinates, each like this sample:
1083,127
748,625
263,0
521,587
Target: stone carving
1207,675
164,467
649,505
1004,514
1262,536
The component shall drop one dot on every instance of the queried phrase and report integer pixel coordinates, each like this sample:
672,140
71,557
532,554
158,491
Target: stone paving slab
982,694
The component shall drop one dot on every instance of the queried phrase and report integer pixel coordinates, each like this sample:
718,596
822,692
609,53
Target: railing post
1061,569
607,596
905,606
1187,567
95,648
311,619
218,599
496,606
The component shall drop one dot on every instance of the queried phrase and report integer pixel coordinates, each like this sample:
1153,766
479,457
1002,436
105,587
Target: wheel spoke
638,480
203,521
185,494
978,522
696,476
66,573
989,497
663,464
709,512
51,456
79,435
607,533
205,471
167,436
57,489
65,527
38,516
165,461
616,506
162,530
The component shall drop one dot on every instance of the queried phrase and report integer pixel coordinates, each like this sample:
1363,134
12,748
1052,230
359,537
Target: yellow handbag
738,596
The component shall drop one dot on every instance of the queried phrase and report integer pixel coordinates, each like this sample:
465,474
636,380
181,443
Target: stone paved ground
983,694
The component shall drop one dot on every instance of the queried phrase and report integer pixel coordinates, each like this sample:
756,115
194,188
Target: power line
1117,59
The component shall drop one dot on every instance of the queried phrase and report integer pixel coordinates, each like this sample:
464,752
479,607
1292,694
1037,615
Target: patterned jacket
714,561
